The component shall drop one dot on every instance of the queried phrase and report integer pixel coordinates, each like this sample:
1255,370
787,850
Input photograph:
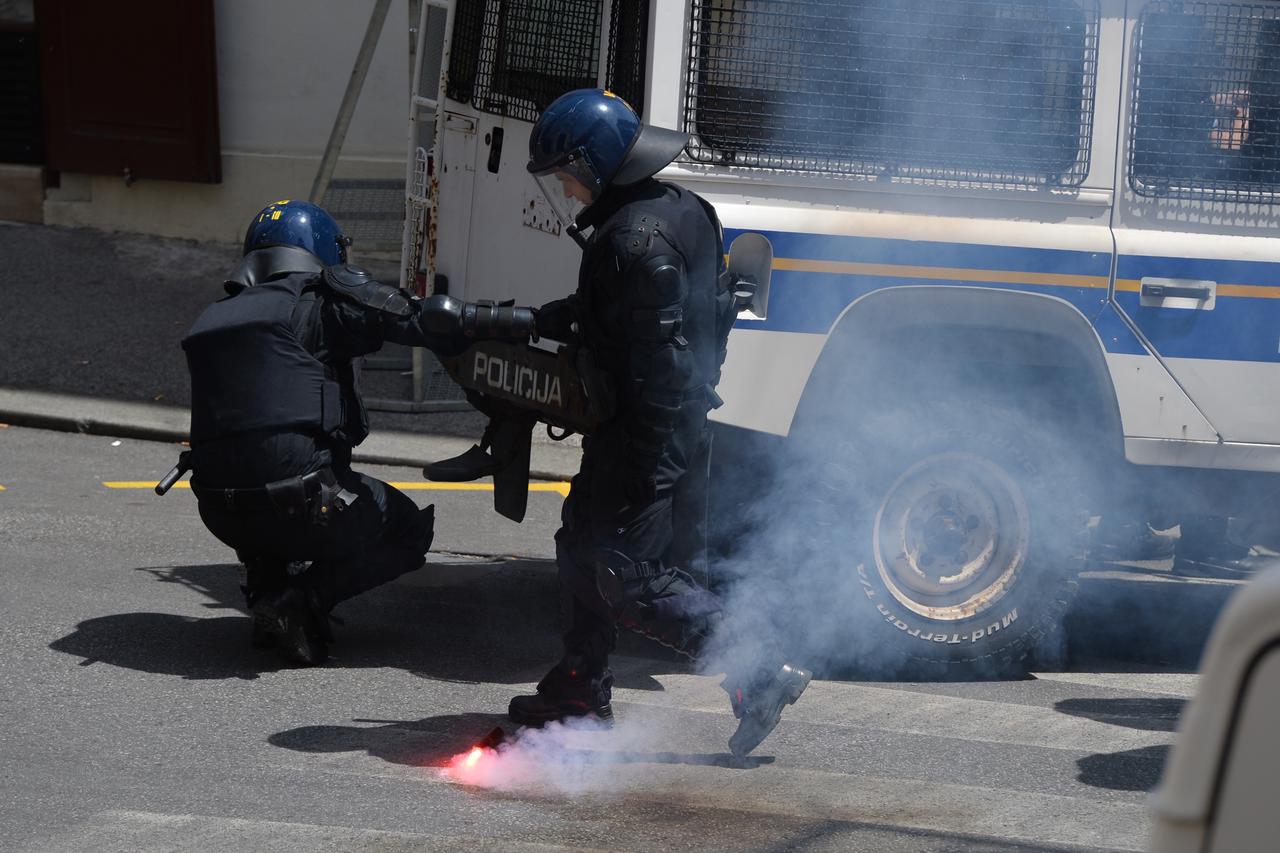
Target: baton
175,473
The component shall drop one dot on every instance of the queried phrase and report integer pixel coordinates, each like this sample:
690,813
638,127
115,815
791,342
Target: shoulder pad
634,237
355,285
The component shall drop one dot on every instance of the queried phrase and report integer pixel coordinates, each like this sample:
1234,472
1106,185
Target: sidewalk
153,422
90,325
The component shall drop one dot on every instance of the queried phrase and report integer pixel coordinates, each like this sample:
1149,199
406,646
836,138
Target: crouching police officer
654,306
276,409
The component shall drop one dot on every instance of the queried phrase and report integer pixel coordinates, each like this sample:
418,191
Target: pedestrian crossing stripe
560,488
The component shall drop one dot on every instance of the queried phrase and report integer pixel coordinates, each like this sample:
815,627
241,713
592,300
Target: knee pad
619,580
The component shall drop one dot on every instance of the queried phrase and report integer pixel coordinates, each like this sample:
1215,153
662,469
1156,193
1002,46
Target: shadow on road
432,741
1131,770
497,621
429,742
1152,715
168,644
468,621
1144,616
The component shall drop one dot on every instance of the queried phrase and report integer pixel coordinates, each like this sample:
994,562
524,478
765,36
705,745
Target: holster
317,497
289,497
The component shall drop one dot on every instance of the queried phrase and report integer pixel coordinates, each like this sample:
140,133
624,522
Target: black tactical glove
558,319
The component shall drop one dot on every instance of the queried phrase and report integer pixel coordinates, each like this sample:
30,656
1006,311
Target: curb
150,422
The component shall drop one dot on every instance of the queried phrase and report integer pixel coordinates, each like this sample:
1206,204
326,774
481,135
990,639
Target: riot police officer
654,306
276,410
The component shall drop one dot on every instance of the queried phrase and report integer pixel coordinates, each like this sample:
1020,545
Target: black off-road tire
889,472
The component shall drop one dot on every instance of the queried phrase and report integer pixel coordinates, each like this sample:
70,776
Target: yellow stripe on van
1094,282
941,273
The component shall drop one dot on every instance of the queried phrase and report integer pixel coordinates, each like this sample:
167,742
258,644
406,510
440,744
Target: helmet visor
567,196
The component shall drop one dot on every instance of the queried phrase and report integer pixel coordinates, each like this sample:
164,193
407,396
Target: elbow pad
660,288
441,315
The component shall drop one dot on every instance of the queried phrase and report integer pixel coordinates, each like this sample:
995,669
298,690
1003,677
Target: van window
464,49
969,91
628,50
1206,102
513,57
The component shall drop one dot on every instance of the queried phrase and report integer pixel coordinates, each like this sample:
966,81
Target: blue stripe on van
878,250
1238,328
801,301
1208,269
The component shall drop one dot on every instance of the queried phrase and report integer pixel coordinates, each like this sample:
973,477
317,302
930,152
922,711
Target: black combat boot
295,621
758,703
570,689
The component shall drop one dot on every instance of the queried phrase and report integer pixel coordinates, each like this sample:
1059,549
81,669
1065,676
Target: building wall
282,69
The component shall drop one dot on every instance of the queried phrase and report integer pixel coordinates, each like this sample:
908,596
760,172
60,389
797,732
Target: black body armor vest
250,371
656,220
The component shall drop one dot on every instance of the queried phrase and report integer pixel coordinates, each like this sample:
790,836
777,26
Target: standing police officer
276,409
654,307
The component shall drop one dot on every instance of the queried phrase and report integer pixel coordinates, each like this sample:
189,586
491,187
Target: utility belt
316,497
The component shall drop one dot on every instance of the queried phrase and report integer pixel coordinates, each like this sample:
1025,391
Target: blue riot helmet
589,140
288,236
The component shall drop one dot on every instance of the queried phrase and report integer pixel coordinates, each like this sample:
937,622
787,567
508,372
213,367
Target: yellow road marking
412,486
140,484
420,486
1,488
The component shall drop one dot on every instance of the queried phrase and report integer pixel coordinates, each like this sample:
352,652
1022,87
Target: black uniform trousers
379,537
598,517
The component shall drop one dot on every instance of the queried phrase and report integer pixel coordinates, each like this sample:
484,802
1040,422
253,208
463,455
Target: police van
1021,262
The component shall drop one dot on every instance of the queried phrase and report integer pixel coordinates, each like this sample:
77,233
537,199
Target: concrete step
21,193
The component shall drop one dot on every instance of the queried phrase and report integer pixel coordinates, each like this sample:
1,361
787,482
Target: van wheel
968,536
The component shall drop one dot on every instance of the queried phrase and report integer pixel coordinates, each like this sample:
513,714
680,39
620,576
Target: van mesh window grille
464,49
514,57
970,92
628,50
1205,117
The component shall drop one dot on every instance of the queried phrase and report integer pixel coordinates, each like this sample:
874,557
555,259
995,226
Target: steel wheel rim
951,534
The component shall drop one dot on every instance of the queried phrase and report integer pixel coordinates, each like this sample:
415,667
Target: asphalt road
137,718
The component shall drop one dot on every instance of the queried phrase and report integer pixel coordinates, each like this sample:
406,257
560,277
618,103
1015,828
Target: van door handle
1157,289
495,149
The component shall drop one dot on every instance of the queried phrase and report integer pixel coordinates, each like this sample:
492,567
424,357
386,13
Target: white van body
1123,271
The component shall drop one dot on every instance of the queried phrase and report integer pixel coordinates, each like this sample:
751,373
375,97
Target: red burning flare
465,763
